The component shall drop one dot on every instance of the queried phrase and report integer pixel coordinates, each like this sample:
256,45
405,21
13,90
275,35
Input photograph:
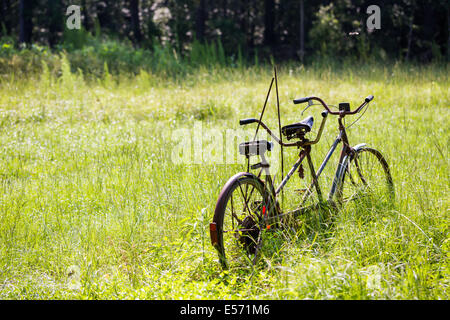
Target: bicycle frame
346,152
305,152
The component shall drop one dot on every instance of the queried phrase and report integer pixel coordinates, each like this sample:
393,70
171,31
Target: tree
55,21
302,30
200,20
269,23
135,24
25,20
86,18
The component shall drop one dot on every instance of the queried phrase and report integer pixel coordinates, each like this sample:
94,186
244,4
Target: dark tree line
411,29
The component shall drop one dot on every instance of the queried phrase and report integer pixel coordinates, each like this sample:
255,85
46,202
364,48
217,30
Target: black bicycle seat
299,129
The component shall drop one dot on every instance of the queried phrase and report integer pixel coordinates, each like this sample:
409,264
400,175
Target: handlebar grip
247,121
369,98
301,100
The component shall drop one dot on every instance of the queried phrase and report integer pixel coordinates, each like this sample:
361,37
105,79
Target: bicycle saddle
299,129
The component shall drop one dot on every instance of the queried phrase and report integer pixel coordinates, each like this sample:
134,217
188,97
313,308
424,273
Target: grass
92,206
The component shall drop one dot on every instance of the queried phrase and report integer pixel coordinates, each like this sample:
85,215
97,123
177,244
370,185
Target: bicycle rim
239,218
366,178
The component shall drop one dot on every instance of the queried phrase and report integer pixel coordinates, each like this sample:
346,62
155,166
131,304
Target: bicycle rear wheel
367,178
238,220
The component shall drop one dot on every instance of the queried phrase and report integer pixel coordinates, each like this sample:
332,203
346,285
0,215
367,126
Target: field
92,205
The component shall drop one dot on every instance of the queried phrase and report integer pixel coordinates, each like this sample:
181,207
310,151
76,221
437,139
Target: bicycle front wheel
366,177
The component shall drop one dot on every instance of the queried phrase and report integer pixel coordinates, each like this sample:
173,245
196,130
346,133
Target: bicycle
248,204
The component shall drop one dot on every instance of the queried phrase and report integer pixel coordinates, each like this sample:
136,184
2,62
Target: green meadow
92,205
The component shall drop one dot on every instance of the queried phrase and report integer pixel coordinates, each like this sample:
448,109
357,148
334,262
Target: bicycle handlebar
324,115
301,100
247,121
262,124
341,113
369,98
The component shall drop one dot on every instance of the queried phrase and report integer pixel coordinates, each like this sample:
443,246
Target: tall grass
91,205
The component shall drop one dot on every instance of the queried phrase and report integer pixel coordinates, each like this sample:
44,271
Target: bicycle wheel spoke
350,176
358,169
371,178
245,199
233,216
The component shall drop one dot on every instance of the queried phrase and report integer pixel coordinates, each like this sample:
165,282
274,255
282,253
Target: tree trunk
302,31
408,50
135,25
55,21
2,14
104,14
200,20
448,38
269,22
243,18
5,12
87,19
252,25
248,24
25,21
224,8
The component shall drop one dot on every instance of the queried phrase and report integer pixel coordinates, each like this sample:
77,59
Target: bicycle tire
366,173
239,223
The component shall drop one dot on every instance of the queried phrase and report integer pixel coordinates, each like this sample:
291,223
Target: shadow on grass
318,225
314,229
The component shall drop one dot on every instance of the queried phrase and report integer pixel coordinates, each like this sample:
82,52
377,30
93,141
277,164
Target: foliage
410,29
120,57
326,33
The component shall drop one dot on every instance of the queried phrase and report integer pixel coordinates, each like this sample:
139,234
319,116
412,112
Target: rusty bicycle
248,204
